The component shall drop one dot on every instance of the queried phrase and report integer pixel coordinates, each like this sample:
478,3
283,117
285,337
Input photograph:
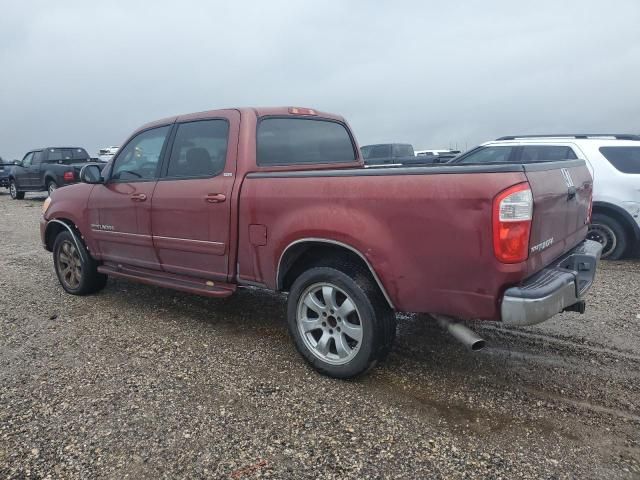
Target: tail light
590,213
68,176
512,214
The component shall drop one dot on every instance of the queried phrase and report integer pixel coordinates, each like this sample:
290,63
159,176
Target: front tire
340,323
14,192
77,272
611,234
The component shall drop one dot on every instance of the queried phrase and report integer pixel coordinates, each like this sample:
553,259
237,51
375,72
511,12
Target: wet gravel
141,382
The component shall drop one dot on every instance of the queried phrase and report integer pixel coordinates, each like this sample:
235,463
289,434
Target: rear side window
300,141
546,153
492,154
624,159
199,149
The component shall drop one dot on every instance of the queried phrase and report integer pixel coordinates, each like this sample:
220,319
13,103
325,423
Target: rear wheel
14,192
610,234
76,270
340,322
51,186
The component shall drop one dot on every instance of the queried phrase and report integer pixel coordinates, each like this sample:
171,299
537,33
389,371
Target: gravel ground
141,382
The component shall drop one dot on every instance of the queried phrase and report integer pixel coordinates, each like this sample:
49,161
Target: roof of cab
257,111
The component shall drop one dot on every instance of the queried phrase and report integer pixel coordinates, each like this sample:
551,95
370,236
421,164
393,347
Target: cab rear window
302,141
66,155
624,159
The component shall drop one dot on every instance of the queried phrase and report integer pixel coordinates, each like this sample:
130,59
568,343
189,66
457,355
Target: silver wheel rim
69,265
52,187
329,323
605,236
12,189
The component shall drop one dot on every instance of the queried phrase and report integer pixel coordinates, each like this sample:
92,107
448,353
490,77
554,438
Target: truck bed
428,230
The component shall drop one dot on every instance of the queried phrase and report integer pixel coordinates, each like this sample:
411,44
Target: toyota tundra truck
278,198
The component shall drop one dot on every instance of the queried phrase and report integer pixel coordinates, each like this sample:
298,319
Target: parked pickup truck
278,198
46,169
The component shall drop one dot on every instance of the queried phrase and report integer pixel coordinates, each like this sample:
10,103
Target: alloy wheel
329,323
70,265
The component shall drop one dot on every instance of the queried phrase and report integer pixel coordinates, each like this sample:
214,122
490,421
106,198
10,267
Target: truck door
22,172
191,205
35,170
120,209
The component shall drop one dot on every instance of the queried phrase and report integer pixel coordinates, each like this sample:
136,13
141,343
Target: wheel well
53,230
302,256
620,217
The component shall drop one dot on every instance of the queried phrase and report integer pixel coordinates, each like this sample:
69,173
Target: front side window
302,141
26,161
138,160
546,153
492,154
199,149
624,159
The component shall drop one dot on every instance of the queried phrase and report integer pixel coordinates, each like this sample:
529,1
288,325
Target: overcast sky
429,73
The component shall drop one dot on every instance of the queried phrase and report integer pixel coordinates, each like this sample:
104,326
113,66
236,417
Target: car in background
5,168
395,155
107,153
387,153
614,163
428,153
46,169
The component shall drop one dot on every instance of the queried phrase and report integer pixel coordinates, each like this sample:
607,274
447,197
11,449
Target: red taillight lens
68,177
512,214
590,209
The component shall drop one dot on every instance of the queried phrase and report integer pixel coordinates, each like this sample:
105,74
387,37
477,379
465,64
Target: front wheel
76,270
340,322
14,192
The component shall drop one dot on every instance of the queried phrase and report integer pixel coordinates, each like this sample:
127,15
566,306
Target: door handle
216,197
138,197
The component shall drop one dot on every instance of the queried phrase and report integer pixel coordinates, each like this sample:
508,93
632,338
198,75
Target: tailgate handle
571,193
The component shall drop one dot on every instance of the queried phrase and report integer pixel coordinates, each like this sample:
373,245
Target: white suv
614,162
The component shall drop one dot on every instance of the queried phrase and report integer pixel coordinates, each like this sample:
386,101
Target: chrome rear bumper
556,288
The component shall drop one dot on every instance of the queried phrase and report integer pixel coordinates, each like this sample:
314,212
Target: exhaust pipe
461,333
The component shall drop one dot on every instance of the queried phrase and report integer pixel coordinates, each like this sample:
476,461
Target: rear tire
51,186
340,322
14,192
77,272
611,234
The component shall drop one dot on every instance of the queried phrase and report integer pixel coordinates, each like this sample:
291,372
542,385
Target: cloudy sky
425,72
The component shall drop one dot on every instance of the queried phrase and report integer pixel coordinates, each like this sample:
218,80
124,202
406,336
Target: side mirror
91,174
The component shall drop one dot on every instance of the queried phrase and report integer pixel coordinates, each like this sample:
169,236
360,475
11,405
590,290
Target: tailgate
561,201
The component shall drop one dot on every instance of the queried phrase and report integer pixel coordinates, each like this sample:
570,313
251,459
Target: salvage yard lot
139,381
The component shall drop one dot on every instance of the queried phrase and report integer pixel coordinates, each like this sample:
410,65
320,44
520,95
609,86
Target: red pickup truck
279,198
